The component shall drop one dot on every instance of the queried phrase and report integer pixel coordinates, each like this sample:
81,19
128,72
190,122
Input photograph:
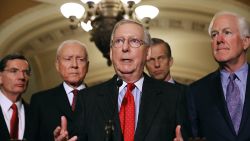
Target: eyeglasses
133,42
15,71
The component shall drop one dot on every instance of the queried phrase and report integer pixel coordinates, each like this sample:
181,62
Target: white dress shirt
5,104
137,92
69,90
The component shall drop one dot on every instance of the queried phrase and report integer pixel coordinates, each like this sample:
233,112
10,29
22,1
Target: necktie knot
130,86
232,77
75,92
13,107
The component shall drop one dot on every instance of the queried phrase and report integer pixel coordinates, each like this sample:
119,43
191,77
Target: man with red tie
49,105
132,105
14,77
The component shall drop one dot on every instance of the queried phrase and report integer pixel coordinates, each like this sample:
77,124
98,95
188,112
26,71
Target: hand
178,136
61,133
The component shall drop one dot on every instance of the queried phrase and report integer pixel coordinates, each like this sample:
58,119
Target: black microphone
109,125
119,83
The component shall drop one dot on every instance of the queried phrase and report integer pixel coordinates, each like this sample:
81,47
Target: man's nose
74,62
220,38
157,63
125,46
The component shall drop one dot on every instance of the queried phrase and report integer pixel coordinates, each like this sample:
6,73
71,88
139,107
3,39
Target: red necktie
14,122
73,106
127,114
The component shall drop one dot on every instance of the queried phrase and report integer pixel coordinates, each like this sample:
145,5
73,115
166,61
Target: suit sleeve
182,114
33,134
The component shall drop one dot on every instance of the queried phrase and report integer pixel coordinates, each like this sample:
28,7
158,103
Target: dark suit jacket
182,86
47,107
160,110
4,132
209,113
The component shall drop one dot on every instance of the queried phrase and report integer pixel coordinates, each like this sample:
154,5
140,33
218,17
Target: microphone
119,83
109,125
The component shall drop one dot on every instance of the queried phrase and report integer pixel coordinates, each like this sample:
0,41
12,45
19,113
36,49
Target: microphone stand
109,128
109,125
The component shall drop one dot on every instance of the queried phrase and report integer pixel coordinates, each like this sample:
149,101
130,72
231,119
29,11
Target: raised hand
61,132
178,136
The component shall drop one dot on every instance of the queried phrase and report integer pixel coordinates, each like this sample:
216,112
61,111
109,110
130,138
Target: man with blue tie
220,101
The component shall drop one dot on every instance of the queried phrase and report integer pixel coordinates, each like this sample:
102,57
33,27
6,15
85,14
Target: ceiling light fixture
100,17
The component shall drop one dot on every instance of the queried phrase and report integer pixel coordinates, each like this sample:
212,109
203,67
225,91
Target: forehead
158,49
129,30
17,63
72,50
225,21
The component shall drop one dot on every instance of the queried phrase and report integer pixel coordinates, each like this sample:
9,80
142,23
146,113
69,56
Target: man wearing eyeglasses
154,108
14,77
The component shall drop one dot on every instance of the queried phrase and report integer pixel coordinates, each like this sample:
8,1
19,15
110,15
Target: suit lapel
246,109
218,97
61,101
27,119
150,102
108,105
4,133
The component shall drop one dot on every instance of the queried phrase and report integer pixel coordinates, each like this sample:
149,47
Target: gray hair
147,37
71,42
243,25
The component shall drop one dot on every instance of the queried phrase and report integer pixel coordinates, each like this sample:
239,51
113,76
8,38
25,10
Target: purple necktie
234,103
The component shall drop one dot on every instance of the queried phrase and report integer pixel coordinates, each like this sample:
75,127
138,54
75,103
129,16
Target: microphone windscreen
119,83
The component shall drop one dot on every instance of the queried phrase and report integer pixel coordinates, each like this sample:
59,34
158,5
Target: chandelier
100,16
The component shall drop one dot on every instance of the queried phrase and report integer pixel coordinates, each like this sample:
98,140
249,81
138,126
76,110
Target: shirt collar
171,80
138,84
6,103
69,89
240,73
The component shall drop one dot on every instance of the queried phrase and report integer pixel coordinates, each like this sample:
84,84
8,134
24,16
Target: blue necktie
234,103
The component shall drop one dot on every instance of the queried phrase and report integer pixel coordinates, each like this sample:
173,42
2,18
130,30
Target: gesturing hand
61,132
178,136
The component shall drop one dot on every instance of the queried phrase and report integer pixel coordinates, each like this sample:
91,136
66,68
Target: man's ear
110,53
148,53
246,42
1,81
171,61
57,65
87,66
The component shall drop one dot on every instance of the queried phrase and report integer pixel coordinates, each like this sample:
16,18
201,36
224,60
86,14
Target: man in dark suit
48,106
160,61
157,106
218,112
14,77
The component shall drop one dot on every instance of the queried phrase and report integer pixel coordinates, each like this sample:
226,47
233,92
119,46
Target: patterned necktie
14,122
127,114
234,103
73,106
